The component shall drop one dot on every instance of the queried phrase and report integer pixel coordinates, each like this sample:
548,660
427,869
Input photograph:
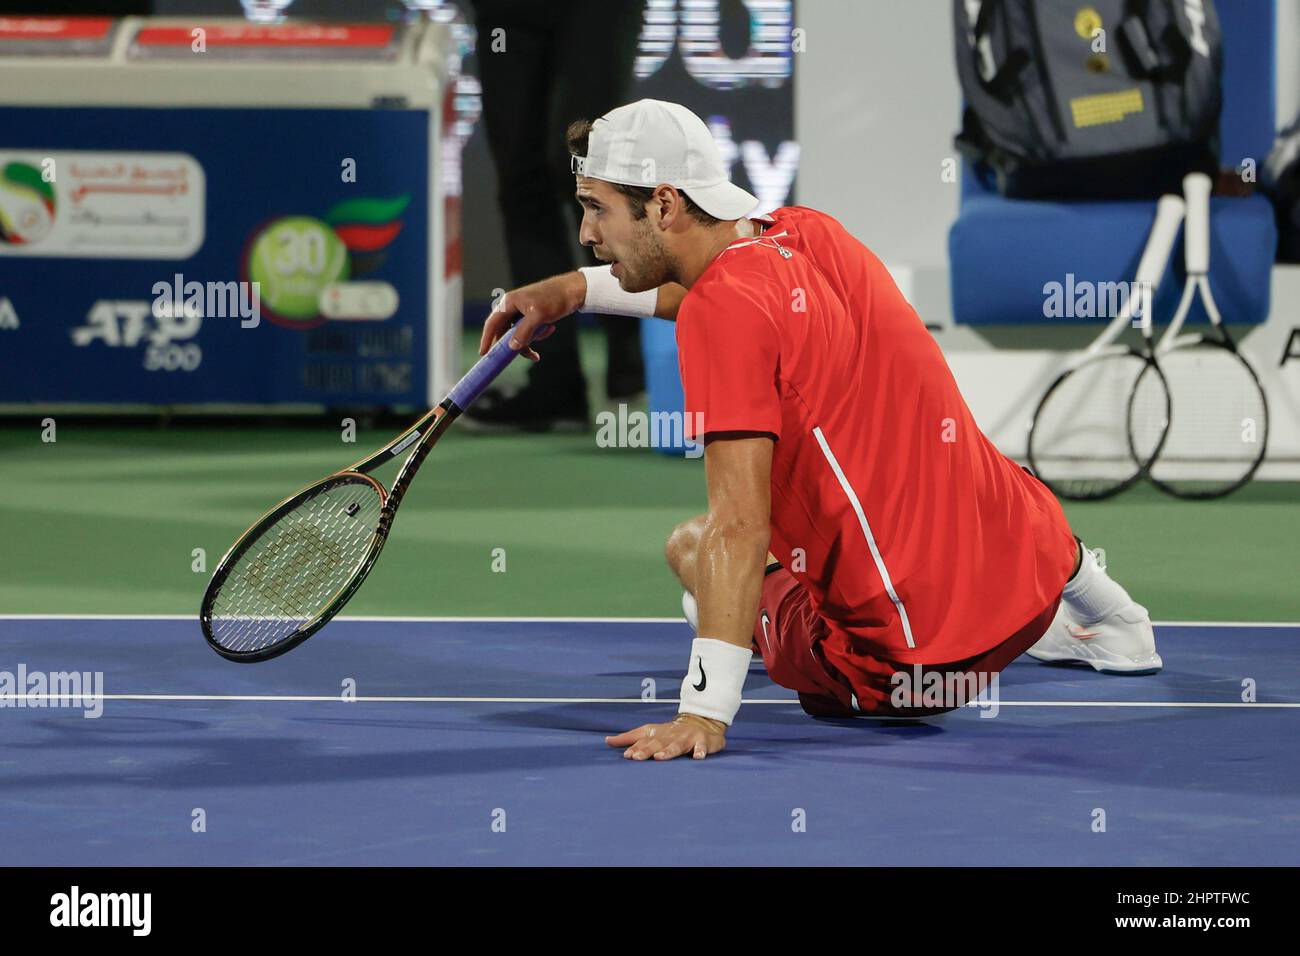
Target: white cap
651,142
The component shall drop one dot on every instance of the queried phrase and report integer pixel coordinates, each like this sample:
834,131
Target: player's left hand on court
687,734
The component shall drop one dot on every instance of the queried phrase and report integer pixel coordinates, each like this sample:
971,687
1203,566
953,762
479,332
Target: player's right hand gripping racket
1218,433
1079,441
299,563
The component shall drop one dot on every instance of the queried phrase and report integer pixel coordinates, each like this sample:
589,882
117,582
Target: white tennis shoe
1122,643
691,611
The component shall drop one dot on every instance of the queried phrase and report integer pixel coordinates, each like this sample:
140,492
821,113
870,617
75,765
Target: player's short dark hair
637,196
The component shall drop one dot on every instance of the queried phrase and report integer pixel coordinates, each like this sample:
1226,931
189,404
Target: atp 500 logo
164,332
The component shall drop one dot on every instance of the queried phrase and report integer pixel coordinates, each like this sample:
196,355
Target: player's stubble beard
649,266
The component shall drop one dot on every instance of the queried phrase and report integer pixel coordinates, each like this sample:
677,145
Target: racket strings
1219,424
295,568
274,576
1079,444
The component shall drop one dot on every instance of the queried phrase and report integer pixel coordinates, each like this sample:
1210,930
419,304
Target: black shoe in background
528,409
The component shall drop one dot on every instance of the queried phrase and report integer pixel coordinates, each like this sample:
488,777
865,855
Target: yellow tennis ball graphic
292,260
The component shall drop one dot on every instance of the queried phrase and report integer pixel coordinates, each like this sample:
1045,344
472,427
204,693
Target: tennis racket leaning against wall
295,568
1217,436
1080,442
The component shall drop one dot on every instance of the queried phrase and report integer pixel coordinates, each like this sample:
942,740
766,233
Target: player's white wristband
604,295
715,679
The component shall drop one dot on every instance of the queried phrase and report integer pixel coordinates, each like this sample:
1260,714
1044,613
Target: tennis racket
295,568
1218,434
1079,436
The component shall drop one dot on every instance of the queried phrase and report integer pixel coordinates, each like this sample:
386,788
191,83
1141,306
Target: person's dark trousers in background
562,60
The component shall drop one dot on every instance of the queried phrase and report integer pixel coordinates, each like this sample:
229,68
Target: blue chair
1002,252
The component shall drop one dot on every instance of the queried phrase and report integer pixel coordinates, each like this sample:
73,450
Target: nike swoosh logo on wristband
704,678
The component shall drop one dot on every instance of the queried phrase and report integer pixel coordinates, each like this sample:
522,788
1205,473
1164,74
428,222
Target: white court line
364,619
530,620
335,698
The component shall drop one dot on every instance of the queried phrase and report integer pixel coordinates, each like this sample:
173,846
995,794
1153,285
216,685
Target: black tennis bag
1106,99
1281,180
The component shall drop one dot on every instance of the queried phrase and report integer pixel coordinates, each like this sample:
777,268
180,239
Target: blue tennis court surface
500,758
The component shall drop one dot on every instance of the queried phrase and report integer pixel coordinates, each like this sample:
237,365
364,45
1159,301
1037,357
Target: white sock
1092,595
691,610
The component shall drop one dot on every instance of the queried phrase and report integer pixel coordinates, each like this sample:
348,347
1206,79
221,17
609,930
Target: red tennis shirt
917,539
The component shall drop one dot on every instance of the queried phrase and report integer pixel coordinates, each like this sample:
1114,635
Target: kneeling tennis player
863,535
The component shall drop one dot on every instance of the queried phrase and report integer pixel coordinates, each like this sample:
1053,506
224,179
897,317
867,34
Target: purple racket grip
484,371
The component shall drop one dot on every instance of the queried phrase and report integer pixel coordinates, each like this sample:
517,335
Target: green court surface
106,520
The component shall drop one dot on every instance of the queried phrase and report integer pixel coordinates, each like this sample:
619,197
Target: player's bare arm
550,300
727,574
733,552
652,252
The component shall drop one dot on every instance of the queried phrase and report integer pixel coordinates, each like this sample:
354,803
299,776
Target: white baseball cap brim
651,142
723,200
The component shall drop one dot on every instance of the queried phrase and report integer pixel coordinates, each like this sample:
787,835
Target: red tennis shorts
789,633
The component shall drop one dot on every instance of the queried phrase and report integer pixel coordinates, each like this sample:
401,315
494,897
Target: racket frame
1196,262
427,431
423,434
1170,211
